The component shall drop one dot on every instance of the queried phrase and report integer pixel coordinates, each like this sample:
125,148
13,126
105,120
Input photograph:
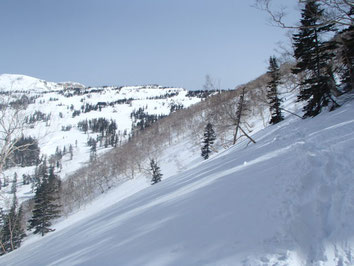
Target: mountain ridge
23,83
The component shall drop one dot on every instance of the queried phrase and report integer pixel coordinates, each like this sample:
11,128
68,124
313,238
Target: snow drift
287,200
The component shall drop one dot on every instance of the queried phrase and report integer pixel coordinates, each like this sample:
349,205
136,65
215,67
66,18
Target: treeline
70,92
164,96
201,93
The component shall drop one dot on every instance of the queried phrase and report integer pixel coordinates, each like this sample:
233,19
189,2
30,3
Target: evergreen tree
19,232
93,149
24,179
272,94
71,151
155,172
313,55
14,184
347,56
9,220
46,206
12,232
208,141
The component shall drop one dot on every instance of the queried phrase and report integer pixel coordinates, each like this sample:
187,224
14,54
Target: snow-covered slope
287,200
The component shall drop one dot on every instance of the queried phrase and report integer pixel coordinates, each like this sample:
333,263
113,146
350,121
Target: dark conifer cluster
318,61
345,42
76,113
37,116
175,107
89,107
25,153
165,96
142,120
200,93
98,125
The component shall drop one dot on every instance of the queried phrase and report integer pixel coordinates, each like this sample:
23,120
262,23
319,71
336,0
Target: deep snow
287,200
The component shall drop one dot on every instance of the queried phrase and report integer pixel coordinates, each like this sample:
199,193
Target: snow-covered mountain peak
23,83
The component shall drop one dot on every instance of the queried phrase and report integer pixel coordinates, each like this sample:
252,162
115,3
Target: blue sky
129,42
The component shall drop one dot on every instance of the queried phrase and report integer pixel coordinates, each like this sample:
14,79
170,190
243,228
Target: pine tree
93,150
12,232
71,151
155,172
208,141
9,220
46,207
19,232
313,55
14,184
272,94
347,56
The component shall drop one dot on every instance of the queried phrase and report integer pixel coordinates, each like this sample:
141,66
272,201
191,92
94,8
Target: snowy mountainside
286,200
55,109
14,82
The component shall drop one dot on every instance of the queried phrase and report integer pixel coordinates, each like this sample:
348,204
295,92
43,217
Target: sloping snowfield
287,200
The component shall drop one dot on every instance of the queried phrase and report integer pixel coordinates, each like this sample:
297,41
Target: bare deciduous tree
211,84
12,126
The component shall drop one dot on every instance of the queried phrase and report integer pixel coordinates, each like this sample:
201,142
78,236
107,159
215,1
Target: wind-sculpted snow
287,200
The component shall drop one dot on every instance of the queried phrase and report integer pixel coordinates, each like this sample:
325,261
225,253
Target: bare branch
338,12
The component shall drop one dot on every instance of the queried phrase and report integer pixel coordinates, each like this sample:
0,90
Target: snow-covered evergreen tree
155,172
208,140
46,203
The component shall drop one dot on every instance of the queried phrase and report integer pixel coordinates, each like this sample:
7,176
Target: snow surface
287,200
